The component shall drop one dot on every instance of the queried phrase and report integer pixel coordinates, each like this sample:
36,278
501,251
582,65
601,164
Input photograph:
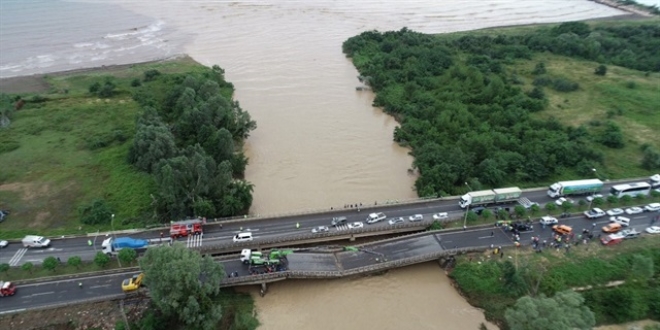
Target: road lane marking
39,294
17,257
486,237
99,286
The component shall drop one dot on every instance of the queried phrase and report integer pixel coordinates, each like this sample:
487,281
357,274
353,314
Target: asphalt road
49,293
16,255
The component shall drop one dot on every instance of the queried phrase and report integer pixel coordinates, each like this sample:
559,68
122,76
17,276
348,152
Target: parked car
592,197
337,221
612,228
320,229
614,212
416,217
440,216
629,233
634,210
562,229
355,225
548,220
561,200
3,244
594,213
653,230
396,221
652,207
623,221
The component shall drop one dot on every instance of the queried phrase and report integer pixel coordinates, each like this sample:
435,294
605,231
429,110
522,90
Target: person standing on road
80,285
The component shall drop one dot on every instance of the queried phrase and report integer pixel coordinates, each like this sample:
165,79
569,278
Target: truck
576,187
654,180
257,258
485,197
7,289
112,246
35,241
184,228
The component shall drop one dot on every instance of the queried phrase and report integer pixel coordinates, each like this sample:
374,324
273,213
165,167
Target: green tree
486,214
520,211
626,199
152,143
539,68
101,259
582,203
535,209
4,267
612,136
74,261
601,70
127,256
193,299
95,213
564,311
655,193
612,200
598,201
50,263
503,214
550,207
472,217
640,198
566,206
642,267
651,159
28,266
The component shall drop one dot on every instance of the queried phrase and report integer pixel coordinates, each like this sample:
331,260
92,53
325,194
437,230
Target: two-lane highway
16,255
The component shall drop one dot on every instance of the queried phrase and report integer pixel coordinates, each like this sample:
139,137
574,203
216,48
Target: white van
35,241
623,221
243,237
375,217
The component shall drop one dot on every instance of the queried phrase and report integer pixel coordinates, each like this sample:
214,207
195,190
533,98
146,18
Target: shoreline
37,83
633,9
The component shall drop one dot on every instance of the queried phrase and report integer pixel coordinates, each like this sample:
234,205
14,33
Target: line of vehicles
373,218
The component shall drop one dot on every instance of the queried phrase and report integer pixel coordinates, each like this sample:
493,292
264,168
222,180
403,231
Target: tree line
465,117
189,137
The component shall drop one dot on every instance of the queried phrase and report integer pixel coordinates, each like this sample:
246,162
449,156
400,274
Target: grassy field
52,162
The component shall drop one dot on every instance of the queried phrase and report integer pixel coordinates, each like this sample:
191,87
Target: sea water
40,36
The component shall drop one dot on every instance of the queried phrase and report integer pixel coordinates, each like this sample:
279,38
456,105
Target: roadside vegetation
609,284
147,143
521,106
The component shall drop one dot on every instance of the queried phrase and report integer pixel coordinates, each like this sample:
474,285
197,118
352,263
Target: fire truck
7,289
186,227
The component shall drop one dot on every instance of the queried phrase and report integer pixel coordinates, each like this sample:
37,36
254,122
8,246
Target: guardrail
77,275
302,274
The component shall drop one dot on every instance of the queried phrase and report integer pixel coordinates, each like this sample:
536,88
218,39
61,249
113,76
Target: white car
653,230
320,229
548,220
396,221
594,213
652,207
592,197
634,210
355,225
416,217
375,217
3,244
440,216
623,221
614,212
560,201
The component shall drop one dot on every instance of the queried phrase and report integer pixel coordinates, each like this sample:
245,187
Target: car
3,244
337,221
614,212
562,229
133,283
375,217
320,229
478,210
441,216
634,210
612,228
652,207
623,221
561,200
594,213
522,226
355,225
416,217
592,197
396,221
629,233
612,239
548,220
653,230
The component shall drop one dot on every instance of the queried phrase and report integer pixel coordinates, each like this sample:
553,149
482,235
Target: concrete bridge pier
263,290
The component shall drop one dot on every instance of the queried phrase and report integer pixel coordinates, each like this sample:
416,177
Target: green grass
57,168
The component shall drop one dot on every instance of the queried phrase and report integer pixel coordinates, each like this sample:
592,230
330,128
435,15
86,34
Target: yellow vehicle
133,283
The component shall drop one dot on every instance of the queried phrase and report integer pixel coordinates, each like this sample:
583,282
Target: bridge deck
390,251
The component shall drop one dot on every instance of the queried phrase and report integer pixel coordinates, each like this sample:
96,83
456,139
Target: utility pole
467,210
